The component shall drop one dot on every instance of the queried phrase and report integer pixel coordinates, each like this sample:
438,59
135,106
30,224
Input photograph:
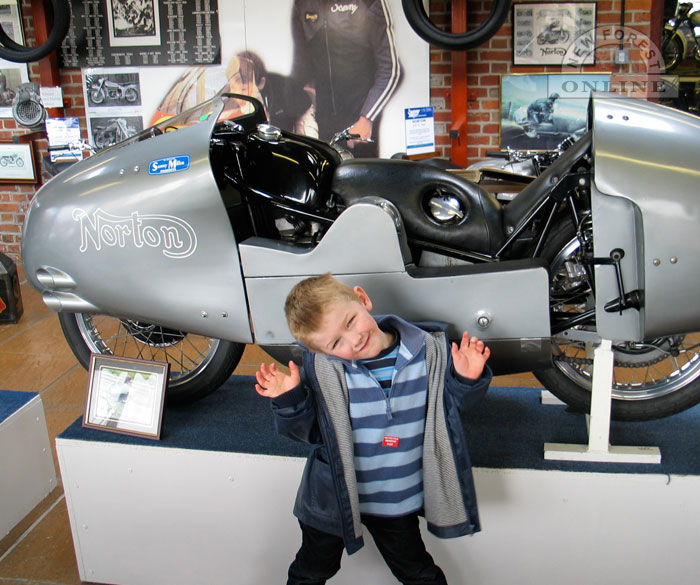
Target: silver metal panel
154,247
516,301
616,224
648,154
362,239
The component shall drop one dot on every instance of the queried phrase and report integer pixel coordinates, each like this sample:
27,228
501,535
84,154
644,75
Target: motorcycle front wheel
97,96
198,364
672,53
651,379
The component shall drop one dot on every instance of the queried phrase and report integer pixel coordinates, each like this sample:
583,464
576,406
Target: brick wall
485,65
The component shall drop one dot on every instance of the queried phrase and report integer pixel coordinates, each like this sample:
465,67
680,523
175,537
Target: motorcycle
181,243
559,120
104,89
115,131
13,160
680,38
554,33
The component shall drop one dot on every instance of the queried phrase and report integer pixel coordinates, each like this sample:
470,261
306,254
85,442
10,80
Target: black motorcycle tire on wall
672,387
420,22
12,51
196,380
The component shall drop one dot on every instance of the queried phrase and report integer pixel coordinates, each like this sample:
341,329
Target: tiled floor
34,357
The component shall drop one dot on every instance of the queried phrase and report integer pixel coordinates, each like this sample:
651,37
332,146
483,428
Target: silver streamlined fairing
141,232
646,201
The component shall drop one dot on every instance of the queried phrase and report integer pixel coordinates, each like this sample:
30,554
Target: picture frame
17,163
12,74
540,110
126,395
552,34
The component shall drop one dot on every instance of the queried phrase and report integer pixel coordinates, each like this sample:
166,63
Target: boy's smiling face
349,331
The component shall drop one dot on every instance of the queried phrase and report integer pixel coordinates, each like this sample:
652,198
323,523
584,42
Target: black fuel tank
288,167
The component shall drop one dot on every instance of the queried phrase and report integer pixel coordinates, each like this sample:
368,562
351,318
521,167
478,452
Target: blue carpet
507,430
11,401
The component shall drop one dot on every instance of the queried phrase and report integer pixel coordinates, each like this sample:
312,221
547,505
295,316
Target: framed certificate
125,395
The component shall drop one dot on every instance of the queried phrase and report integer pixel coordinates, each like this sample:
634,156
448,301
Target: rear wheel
198,364
651,379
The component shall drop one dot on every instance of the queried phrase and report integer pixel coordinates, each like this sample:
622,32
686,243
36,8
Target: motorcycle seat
530,197
409,186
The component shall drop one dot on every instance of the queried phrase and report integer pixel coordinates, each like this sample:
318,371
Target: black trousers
398,539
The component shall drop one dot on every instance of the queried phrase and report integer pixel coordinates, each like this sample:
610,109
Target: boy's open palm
470,356
272,382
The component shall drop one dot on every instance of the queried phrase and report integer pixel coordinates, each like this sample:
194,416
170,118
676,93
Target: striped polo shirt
388,426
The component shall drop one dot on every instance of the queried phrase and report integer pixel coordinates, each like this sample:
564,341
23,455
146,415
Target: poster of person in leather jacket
345,54
376,66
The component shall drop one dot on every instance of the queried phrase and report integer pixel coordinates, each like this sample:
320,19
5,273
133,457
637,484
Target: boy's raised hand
470,356
272,382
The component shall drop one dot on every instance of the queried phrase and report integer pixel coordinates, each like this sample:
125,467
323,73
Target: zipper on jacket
330,68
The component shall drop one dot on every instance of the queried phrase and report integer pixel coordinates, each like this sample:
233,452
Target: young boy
380,400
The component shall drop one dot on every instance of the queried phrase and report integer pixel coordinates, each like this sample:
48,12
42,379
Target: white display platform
27,472
142,515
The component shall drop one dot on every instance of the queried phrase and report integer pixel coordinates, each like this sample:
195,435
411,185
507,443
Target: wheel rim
671,53
188,354
642,371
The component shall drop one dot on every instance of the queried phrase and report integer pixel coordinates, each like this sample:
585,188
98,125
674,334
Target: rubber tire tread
420,22
578,398
219,369
12,51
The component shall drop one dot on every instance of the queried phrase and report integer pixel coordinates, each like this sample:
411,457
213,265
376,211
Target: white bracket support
598,422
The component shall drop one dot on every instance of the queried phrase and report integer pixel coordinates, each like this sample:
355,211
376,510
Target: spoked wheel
198,364
672,52
651,379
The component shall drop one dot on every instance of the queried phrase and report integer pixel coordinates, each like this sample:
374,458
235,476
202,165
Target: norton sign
172,235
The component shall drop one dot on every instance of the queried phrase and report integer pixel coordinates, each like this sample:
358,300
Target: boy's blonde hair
307,301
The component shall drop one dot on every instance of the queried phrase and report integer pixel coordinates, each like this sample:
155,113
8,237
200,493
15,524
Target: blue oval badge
170,164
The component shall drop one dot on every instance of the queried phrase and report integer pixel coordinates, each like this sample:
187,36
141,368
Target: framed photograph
17,163
11,74
540,110
125,395
131,25
554,34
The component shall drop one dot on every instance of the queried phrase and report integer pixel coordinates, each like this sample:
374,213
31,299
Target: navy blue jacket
316,412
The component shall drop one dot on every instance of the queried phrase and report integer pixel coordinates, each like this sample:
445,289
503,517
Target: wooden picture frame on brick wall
540,110
554,34
17,163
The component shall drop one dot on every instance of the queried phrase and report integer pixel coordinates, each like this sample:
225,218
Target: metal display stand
598,448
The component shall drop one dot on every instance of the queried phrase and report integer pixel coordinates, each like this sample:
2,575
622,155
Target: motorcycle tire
672,53
650,380
97,97
12,51
131,95
420,22
198,365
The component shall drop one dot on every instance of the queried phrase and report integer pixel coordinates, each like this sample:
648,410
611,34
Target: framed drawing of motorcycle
546,34
540,110
17,163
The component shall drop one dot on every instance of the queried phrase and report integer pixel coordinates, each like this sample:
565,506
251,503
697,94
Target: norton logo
173,236
171,164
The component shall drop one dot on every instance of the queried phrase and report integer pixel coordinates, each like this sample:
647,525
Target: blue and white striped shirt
388,426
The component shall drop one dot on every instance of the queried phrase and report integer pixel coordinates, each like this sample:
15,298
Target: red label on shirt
390,442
